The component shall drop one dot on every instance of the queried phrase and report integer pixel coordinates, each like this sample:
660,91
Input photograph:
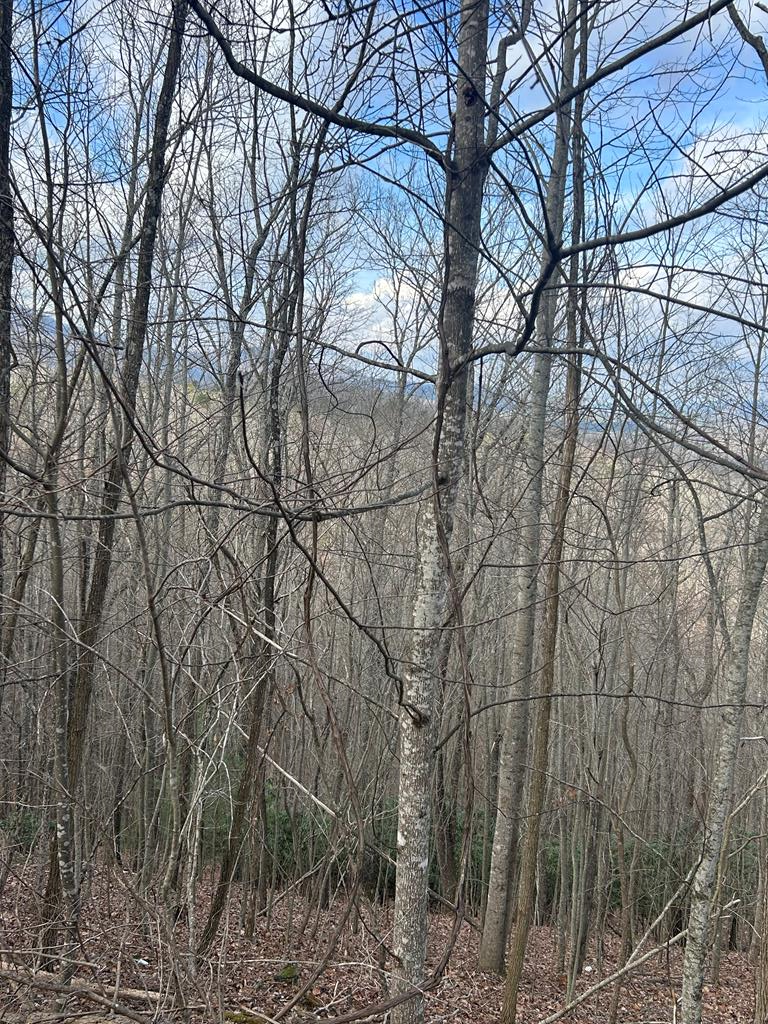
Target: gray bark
129,382
455,324
6,272
514,742
703,888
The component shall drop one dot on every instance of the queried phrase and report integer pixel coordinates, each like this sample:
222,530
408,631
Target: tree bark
514,741
555,204
80,692
129,383
7,243
761,969
455,325
702,892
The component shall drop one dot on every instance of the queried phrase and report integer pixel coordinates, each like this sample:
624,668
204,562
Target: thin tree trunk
455,325
129,382
527,884
702,892
761,969
7,243
514,741
80,693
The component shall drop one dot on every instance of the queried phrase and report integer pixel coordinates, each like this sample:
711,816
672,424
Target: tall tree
78,700
721,794
7,246
434,590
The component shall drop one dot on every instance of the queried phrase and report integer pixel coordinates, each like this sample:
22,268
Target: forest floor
120,948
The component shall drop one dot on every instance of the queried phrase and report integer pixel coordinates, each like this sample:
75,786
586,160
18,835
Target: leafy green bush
21,828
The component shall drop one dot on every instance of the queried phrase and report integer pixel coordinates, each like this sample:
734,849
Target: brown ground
241,973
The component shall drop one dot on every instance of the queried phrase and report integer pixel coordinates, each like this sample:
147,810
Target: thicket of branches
382,396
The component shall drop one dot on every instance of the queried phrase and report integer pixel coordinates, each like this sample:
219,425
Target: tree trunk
80,694
702,892
761,970
555,203
514,741
129,383
455,324
6,281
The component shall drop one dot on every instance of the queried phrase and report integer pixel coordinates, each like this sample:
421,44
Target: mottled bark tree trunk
703,888
455,324
761,968
6,280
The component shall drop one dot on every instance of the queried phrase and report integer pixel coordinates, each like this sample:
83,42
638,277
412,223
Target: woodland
383,511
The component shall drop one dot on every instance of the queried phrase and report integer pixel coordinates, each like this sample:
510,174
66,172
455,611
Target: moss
289,973
245,1017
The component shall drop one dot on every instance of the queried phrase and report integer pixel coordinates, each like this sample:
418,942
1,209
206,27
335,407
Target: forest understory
125,973
384,511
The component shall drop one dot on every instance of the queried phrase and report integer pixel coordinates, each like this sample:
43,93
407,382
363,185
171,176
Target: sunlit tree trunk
512,757
526,891
6,280
721,790
455,324
761,968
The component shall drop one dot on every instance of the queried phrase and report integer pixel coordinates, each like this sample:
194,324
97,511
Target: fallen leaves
254,980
